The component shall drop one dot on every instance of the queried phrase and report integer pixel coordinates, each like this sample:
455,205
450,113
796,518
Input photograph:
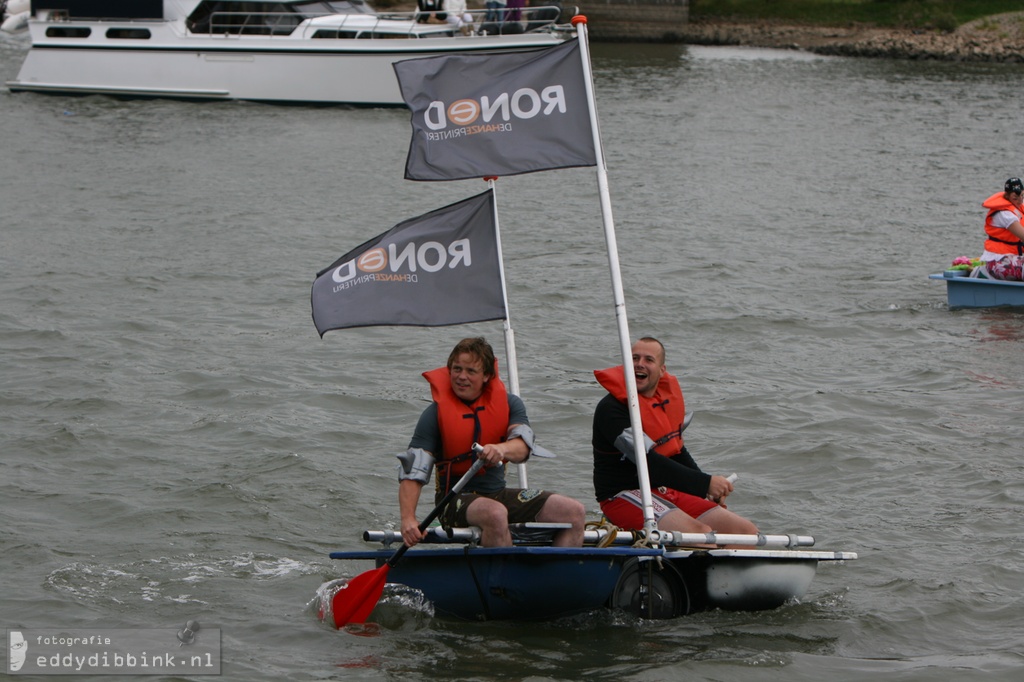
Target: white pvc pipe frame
650,524
633,401
471,536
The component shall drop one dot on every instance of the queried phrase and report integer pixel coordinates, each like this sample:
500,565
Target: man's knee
565,509
485,511
747,527
682,522
725,521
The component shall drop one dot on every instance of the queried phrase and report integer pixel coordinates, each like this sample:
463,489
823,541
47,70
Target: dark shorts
523,505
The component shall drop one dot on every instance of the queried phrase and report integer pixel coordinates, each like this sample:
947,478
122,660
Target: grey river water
176,442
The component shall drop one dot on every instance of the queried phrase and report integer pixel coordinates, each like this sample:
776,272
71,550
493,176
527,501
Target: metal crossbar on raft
471,536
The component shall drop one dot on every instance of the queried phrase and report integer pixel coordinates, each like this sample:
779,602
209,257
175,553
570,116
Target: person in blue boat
1004,234
685,498
471,405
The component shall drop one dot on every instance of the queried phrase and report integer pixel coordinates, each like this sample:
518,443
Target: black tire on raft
649,590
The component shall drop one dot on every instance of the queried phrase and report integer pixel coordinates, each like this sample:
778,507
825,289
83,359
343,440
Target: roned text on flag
475,116
437,269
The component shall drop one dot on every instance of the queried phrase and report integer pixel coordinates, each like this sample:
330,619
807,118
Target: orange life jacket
661,415
483,421
1001,240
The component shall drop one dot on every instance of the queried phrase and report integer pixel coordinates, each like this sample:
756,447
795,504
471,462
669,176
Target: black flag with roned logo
475,116
437,269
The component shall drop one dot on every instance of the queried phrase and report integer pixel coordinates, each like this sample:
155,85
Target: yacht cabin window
68,32
129,33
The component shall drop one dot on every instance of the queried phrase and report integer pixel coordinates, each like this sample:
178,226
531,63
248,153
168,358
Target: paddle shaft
429,518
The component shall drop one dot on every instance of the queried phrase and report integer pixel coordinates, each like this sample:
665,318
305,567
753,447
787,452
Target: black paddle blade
354,602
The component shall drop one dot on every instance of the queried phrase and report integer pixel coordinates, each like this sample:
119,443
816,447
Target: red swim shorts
626,510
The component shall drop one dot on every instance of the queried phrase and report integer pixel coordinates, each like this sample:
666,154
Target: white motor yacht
289,51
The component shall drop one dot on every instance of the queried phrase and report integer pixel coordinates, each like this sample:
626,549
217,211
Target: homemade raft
532,581
510,114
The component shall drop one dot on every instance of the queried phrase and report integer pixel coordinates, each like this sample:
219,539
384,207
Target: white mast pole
510,341
650,524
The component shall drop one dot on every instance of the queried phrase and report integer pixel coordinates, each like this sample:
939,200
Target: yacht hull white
163,57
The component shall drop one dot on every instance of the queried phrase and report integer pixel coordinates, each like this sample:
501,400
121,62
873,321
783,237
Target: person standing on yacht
458,16
429,12
495,11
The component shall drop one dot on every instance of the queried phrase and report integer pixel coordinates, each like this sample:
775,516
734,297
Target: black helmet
1014,185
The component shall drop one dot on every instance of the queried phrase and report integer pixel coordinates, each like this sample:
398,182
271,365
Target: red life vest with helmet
999,239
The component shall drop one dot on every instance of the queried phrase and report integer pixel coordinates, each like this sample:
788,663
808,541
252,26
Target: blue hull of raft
543,582
969,292
509,583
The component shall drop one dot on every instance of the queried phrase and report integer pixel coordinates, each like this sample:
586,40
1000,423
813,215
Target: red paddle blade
354,602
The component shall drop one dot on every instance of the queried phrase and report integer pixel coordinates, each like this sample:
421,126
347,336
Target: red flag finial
578,19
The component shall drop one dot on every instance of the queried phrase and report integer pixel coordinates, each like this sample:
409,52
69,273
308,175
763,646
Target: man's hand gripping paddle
354,602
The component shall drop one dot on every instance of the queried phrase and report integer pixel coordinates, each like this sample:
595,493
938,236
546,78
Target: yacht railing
494,21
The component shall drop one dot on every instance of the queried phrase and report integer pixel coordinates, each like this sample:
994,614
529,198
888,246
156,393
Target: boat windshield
312,9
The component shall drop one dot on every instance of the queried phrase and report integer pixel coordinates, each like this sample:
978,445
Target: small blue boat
978,292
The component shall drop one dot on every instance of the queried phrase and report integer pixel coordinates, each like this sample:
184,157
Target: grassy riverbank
944,15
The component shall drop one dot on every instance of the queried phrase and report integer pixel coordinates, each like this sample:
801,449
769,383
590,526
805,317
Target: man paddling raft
471,405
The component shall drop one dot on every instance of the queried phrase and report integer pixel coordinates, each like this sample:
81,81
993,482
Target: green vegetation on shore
944,15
